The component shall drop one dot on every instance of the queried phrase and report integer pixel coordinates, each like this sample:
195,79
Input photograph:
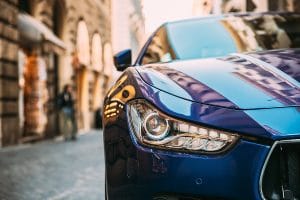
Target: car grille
281,174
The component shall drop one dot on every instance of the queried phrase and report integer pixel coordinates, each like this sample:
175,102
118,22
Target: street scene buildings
45,45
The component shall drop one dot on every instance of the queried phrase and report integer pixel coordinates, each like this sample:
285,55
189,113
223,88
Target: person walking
67,113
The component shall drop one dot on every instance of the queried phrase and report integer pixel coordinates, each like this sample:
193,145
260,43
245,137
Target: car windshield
214,37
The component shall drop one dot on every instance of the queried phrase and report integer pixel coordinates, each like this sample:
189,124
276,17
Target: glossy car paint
135,171
225,93
138,171
250,102
204,81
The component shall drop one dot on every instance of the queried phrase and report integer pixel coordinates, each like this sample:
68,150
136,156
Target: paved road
54,170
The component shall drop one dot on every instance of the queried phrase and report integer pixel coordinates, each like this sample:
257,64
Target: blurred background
45,44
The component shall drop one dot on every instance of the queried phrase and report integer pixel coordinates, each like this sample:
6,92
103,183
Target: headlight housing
151,127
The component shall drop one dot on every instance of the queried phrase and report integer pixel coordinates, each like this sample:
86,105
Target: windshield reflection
214,37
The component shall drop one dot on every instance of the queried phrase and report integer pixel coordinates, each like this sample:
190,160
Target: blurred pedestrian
67,113
98,119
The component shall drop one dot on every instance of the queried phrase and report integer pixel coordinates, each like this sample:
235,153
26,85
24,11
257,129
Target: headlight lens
151,127
156,127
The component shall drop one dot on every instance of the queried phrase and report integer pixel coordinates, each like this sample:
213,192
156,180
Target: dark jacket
65,100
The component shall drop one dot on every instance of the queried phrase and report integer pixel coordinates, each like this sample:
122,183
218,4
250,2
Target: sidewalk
54,170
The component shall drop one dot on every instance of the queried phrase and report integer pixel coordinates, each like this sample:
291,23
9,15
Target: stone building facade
205,7
72,45
8,72
128,25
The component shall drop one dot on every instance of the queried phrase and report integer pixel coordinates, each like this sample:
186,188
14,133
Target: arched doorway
83,55
97,67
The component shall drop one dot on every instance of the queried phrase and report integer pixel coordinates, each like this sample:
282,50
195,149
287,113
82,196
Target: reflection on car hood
242,81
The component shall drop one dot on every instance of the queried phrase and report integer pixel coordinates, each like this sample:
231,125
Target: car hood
240,81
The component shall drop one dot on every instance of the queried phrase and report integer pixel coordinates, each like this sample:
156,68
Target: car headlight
151,127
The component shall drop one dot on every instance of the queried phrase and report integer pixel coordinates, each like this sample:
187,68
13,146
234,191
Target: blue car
209,110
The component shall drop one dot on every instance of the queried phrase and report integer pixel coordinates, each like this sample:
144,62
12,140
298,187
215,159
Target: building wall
63,17
9,132
96,16
127,25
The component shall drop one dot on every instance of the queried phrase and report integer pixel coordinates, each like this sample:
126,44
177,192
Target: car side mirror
122,60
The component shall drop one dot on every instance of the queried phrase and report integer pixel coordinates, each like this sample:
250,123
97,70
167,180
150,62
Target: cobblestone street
54,170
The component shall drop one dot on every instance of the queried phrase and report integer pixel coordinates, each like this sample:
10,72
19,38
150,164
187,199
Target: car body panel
283,124
135,171
149,172
215,81
142,173
286,60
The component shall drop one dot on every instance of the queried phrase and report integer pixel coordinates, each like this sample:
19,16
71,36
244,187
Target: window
159,49
217,36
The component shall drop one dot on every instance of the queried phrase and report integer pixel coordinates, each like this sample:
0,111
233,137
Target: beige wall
128,28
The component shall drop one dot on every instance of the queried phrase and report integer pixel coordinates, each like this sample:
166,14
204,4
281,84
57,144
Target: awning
33,32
